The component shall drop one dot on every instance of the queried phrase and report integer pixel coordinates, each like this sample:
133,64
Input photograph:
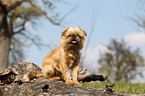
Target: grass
121,87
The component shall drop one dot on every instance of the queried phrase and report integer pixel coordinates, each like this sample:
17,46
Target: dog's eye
79,36
68,35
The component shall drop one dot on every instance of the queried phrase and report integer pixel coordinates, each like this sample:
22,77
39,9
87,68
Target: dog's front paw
69,82
76,83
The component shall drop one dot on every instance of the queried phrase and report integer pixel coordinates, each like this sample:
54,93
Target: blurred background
115,44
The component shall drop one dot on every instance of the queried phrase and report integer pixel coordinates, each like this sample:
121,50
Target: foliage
20,15
140,14
120,63
121,87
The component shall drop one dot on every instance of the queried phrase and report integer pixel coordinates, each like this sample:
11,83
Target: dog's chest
72,60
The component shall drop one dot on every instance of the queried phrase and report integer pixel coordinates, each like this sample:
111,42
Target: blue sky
110,20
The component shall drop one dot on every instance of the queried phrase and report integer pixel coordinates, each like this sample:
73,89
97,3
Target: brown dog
64,57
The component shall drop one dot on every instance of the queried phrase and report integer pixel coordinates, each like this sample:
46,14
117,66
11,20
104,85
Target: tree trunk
4,38
13,77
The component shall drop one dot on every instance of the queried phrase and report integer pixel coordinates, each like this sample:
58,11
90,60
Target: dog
65,57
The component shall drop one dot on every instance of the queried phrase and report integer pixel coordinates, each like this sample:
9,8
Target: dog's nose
74,37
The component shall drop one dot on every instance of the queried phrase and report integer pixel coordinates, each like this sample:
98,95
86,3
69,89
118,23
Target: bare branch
44,13
95,16
136,21
68,13
22,29
16,4
84,71
33,40
139,23
92,77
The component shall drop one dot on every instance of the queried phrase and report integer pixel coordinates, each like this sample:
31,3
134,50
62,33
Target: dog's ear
83,31
63,32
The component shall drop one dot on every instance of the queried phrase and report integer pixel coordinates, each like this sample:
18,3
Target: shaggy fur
64,57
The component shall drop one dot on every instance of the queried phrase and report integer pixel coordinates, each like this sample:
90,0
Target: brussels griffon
64,57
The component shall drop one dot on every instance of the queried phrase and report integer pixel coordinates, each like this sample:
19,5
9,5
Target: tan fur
64,57
33,74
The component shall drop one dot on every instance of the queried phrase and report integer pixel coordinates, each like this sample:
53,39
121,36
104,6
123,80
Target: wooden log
84,71
46,87
92,77
19,70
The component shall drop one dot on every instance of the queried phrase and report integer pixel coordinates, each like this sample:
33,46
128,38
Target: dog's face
73,37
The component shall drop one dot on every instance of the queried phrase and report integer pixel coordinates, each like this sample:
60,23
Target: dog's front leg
75,75
65,72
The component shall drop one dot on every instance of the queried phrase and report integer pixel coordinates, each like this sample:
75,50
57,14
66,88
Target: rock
43,87
55,88
18,71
